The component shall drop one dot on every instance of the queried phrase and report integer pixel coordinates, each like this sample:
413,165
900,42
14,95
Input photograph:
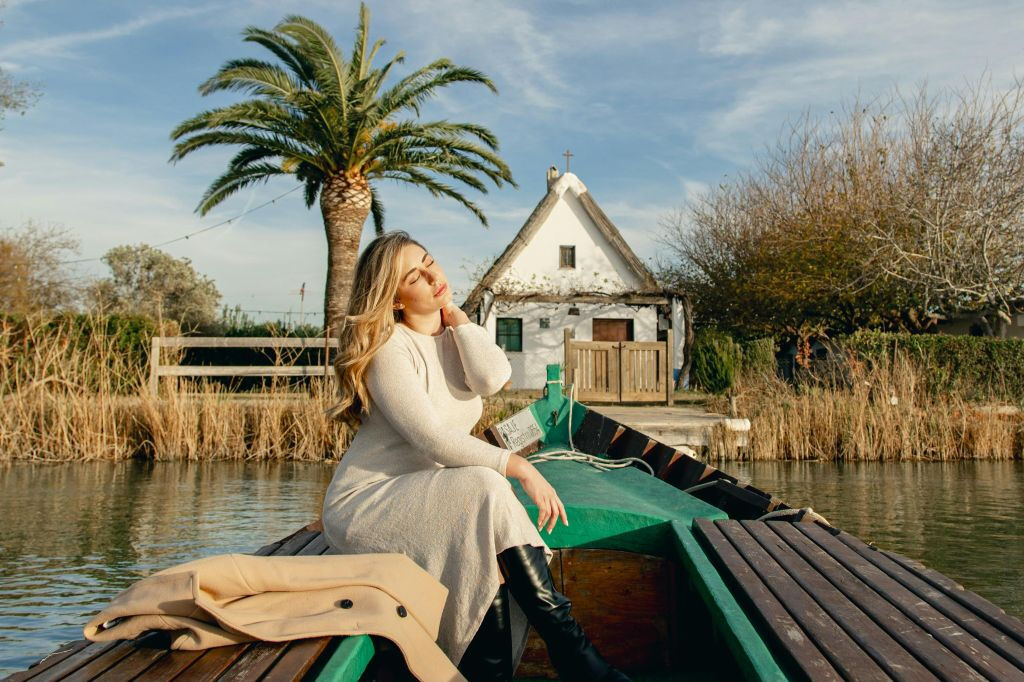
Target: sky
657,101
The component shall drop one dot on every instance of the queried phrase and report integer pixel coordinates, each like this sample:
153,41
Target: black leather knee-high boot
571,652
489,656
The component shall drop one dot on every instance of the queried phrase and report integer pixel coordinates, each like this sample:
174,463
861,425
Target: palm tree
330,123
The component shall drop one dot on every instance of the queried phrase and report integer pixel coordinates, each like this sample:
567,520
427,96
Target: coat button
345,603
401,611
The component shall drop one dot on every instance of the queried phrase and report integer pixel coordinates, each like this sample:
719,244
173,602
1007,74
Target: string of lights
200,231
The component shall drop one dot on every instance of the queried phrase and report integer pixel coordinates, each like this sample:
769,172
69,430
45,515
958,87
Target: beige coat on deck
233,598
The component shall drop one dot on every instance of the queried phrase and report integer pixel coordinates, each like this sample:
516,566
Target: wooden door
607,329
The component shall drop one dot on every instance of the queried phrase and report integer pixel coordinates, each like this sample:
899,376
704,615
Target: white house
568,266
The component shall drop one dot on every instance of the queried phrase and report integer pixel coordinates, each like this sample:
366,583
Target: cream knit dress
415,481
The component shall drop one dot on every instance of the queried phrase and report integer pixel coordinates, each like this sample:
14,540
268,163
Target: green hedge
978,367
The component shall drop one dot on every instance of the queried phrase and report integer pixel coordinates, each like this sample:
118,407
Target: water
74,535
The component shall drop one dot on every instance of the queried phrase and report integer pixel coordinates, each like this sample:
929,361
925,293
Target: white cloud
738,35
63,45
821,57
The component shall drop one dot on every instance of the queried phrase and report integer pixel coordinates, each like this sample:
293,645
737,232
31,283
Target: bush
976,367
716,358
758,357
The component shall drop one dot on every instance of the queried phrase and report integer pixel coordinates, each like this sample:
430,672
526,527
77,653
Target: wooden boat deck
148,658
832,607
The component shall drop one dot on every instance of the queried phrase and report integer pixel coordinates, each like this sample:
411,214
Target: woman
411,368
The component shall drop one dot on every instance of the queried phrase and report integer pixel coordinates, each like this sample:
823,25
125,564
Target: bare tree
891,214
33,278
15,95
955,230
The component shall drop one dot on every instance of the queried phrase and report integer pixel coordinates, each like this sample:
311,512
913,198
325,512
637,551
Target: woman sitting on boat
411,369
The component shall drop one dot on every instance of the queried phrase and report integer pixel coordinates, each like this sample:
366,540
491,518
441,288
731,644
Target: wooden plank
974,652
64,651
669,360
296,542
246,342
787,633
245,370
73,662
631,443
134,664
991,636
154,366
620,598
976,603
875,641
213,662
845,655
254,662
170,665
101,663
932,652
297,659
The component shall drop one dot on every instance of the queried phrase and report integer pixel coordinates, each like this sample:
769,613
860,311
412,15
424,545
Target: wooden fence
620,371
158,369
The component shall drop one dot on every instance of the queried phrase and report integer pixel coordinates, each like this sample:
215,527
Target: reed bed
885,412
68,396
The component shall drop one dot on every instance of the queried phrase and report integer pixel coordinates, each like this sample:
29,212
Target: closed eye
418,279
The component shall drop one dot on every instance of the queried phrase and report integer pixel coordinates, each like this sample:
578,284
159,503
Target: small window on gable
545,323
510,333
567,256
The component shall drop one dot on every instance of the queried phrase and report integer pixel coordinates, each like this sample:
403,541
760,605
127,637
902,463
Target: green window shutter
510,333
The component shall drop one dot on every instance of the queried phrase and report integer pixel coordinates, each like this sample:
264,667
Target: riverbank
71,395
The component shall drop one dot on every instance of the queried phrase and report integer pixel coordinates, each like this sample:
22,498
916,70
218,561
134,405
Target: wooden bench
148,658
835,608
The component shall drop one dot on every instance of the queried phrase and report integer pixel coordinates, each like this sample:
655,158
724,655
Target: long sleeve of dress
396,390
487,367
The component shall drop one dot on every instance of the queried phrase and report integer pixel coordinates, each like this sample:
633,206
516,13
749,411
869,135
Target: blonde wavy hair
369,322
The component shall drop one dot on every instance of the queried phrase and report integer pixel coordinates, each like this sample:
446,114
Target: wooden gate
620,371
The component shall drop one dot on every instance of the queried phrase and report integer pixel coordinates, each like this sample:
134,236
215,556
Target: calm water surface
74,535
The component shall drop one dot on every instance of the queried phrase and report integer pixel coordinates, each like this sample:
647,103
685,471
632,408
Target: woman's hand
452,315
549,507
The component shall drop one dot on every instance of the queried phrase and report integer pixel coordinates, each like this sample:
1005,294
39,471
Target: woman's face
423,288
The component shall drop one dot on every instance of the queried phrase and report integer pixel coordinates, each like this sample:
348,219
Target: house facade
568,266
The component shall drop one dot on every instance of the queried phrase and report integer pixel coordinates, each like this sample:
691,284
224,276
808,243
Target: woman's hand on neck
431,324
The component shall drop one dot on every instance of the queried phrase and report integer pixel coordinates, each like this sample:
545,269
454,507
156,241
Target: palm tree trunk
345,203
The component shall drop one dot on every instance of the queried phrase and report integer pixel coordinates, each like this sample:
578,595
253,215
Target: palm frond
284,50
253,76
329,65
281,145
377,211
234,180
436,188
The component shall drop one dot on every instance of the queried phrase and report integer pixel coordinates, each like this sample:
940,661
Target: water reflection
964,519
74,535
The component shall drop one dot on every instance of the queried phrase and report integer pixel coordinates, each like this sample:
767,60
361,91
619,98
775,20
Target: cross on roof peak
568,155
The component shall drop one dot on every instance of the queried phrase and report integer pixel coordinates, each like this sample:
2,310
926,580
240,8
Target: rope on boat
572,454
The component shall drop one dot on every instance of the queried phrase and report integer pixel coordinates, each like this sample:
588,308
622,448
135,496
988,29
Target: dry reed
66,396
874,413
